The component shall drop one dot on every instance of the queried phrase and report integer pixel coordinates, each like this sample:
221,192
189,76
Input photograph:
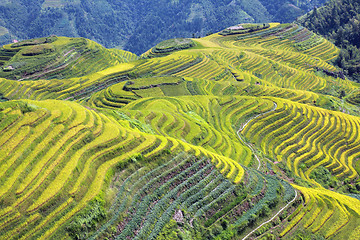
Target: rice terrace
249,133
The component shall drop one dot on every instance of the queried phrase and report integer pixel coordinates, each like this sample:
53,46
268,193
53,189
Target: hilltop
249,132
57,57
138,25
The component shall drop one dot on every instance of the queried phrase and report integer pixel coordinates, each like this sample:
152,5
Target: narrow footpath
282,209
245,124
259,164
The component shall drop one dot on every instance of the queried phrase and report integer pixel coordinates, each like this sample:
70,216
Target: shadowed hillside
339,21
138,25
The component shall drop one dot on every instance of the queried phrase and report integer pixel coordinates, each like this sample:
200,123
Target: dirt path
282,209
245,124
258,159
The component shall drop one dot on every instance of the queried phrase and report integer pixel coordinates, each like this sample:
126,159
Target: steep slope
339,21
138,25
237,135
38,194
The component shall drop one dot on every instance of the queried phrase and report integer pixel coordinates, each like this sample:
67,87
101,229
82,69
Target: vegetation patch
87,220
173,45
244,28
36,41
37,50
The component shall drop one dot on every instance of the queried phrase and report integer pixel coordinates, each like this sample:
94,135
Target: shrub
38,49
173,45
87,220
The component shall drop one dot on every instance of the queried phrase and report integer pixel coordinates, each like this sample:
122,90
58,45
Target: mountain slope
137,25
60,57
240,134
339,21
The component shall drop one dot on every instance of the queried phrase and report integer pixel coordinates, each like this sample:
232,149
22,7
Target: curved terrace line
282,209
245,124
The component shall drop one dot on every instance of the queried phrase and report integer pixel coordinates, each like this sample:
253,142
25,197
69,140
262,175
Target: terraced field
240,136
313,138
58,57
42,142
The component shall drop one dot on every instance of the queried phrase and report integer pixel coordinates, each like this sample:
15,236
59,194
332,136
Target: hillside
339,21
137,25
58,57
246,133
